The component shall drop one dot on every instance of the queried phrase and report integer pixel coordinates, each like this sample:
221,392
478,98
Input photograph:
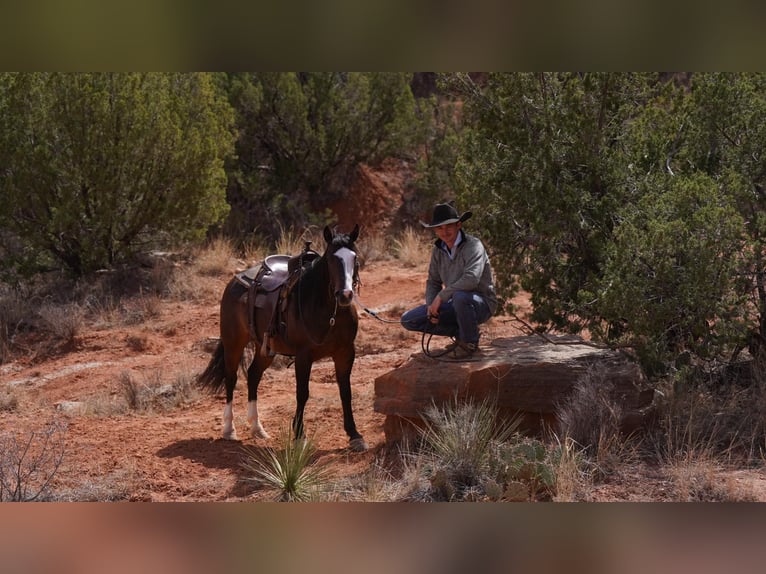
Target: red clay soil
177,454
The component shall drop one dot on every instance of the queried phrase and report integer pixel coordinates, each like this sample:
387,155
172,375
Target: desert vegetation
624,207
697,442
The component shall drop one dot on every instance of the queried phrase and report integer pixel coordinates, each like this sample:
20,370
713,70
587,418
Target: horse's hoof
358,444
231,435
258,432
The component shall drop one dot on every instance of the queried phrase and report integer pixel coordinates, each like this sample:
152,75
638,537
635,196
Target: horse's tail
213,378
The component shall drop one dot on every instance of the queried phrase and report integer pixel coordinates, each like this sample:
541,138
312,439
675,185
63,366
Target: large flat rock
525,375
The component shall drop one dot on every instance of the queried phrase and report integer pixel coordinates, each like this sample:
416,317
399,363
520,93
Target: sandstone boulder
524,375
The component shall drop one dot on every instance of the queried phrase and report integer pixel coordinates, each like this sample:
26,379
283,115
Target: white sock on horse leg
229,432
256,429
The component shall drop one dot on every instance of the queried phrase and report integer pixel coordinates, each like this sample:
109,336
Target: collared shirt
453,251
466,268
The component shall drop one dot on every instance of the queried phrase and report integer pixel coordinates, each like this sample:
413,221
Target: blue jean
459,317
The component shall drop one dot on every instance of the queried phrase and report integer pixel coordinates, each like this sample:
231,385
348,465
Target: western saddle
268,287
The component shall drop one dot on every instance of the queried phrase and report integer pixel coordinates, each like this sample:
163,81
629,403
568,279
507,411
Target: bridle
355,283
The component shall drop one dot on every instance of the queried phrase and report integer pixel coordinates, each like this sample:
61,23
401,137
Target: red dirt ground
177,454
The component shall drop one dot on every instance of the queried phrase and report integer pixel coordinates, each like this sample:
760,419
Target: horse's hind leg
231,364
235,335
254,373
229,430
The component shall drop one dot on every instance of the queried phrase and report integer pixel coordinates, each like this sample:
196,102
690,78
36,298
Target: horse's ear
354,234
327,234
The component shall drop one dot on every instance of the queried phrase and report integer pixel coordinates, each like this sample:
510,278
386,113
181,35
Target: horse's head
342,262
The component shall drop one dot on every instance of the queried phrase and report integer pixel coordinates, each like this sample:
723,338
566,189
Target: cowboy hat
445,213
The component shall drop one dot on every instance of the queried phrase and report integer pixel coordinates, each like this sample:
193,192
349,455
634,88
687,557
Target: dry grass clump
695,468
705,429
571,472
9,399
137,342
374,484
44,311
292,241
373,247
466,453
592,418
154,394
698,477
214,259
186,284
412,248
117,485
142,308
725,418
64,321
104,310
254,250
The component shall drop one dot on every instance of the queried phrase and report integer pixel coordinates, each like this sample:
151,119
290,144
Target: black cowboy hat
445,213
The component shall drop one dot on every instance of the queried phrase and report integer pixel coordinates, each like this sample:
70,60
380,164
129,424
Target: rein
424,344
371,312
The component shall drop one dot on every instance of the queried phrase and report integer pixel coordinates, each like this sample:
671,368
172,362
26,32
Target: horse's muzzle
344,298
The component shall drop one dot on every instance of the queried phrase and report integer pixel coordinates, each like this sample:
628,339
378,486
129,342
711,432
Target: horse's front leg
343,366
303,363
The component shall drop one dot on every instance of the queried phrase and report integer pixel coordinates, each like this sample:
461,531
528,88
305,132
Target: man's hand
433,310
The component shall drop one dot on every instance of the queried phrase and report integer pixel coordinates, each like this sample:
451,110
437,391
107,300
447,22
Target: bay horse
318,320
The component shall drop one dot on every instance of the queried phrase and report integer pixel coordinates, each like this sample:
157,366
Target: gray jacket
470,270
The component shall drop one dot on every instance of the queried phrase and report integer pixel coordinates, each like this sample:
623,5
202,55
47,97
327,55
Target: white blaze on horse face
347,258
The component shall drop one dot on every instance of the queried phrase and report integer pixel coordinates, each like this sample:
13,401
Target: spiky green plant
291,469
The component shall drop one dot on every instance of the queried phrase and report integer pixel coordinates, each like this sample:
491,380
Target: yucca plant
291,469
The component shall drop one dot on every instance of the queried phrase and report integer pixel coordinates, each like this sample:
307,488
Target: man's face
448,232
